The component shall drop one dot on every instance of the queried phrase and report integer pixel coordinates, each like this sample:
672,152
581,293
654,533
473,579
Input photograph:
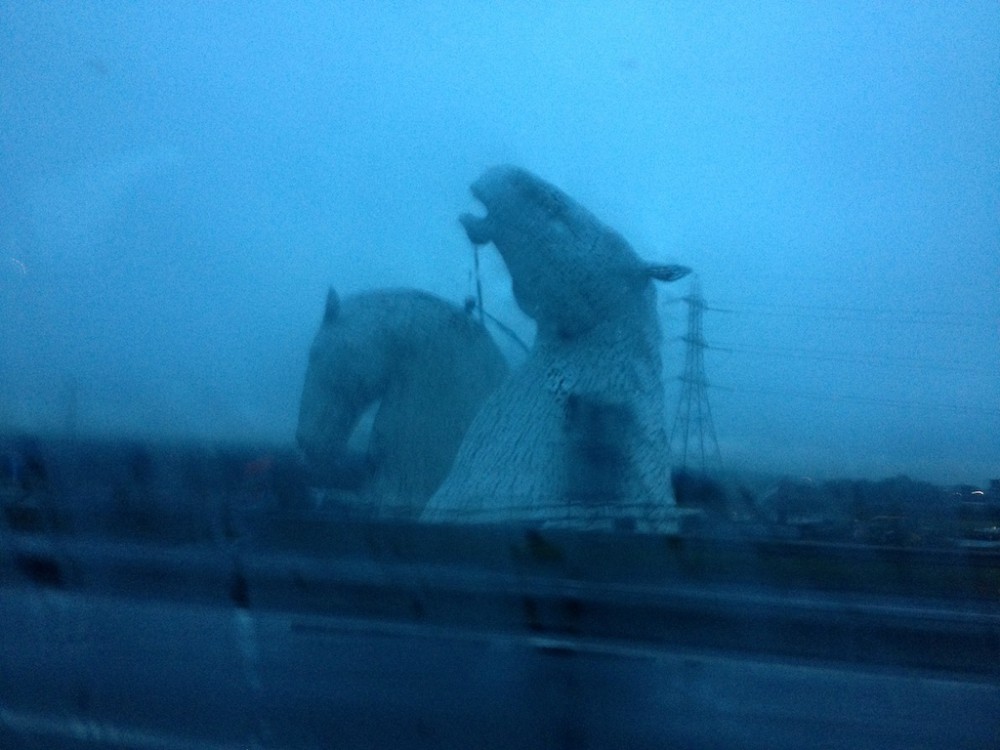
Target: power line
912,363
868,400
869,311
898,316
694,383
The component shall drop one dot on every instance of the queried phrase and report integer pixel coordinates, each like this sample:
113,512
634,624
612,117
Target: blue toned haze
180,182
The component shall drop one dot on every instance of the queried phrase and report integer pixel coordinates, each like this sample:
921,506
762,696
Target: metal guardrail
852,604
144,614
310,632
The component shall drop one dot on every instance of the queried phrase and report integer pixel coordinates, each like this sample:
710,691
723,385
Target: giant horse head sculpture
576,435
423,364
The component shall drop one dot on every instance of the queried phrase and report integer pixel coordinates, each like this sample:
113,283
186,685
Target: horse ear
332,306
667,273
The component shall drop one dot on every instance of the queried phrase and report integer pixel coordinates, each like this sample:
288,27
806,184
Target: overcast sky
180,182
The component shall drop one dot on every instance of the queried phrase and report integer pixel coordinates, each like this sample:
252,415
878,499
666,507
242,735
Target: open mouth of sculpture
477,227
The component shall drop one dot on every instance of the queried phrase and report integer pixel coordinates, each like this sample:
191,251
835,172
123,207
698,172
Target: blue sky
180,182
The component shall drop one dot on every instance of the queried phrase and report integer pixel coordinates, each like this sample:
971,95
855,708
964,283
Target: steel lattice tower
693,419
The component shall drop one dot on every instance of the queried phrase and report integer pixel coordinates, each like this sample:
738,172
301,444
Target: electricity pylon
693,419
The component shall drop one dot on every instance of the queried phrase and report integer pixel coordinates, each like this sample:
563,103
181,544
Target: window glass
445,375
